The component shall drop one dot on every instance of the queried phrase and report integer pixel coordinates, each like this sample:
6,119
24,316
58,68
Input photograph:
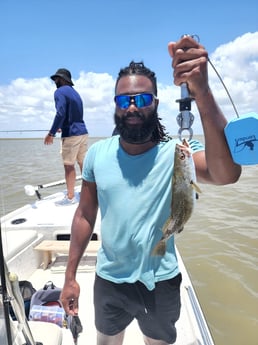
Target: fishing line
222,82
241,133
197,39
24,130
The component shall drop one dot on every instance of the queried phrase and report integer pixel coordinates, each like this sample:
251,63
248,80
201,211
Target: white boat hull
44,220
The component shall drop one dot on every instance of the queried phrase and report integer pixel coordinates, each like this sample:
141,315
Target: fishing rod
10,286
24,130
32,190
5,296
18,307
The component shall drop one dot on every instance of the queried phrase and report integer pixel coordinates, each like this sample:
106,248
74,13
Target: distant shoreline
175,135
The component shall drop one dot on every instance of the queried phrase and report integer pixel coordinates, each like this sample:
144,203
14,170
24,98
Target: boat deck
43,220
188,330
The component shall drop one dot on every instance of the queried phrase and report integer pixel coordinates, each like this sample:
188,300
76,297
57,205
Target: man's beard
136,134
58,84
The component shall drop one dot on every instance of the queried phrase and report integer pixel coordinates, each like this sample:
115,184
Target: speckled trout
184,193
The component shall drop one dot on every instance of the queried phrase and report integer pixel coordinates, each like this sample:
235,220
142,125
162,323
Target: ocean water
219,244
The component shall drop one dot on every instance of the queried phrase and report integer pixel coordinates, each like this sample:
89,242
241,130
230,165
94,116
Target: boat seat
48,247
43,332
16,240
46,333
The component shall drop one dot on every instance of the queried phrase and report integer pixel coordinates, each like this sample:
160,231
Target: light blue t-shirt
134,194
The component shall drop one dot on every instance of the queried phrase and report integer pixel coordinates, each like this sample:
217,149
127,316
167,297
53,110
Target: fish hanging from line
184,193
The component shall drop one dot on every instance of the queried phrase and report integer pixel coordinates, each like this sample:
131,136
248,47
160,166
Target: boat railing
202,325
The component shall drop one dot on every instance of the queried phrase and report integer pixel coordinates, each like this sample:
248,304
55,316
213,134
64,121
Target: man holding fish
128,177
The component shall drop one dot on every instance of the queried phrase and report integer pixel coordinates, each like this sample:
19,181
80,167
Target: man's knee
150,341
69,167
103,339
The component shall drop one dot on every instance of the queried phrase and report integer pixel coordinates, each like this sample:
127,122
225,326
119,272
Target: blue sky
94,39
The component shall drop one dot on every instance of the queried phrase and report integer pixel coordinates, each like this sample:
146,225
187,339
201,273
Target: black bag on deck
46,306
27,291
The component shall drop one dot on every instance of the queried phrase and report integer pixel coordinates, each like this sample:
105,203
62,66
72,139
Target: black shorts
156,311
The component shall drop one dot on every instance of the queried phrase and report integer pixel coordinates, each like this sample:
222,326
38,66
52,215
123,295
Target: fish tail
160,248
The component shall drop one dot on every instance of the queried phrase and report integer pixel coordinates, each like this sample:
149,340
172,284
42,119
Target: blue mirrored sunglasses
140,100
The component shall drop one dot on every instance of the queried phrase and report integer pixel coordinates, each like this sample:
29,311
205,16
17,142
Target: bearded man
128,176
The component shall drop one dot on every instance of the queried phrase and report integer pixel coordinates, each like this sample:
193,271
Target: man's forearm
221,167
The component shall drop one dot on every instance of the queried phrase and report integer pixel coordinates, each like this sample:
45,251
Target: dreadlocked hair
159,133
139,68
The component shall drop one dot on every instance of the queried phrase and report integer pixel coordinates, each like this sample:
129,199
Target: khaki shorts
73,149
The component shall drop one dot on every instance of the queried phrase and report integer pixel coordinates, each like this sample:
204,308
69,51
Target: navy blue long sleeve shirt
69,112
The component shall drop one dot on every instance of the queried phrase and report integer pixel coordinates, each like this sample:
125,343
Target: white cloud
28,104
237,63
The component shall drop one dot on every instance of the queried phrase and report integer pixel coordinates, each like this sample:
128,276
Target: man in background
74,134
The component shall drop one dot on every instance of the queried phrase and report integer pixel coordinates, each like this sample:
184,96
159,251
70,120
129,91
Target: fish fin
185,143
160,248
195,187
180,230
168,225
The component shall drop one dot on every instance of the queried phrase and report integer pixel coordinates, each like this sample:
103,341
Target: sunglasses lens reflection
141,100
